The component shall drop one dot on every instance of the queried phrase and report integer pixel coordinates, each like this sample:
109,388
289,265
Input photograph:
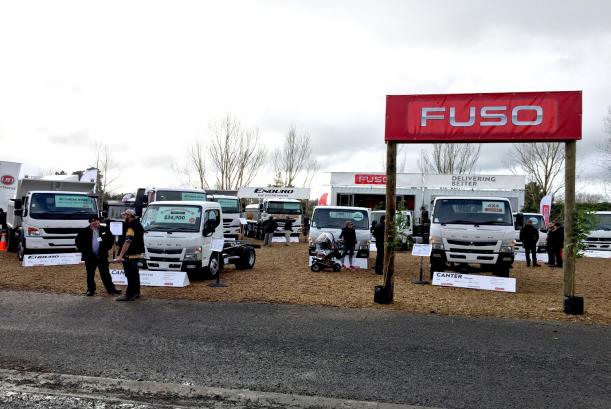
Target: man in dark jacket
348,234
269,227
94,242
529,236
378,234
132,248
557,243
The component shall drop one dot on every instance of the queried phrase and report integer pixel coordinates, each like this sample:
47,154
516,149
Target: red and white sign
369,179
545,208
503,117
7,180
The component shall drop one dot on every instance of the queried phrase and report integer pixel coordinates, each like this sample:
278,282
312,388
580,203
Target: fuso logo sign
7,180
370,179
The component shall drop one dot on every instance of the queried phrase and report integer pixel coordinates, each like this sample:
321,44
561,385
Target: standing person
306,226
349,235
551,261
94,242
288,229
529,235
378,234
269,227
132,247
558,243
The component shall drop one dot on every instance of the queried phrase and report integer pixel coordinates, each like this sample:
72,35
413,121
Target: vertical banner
9,175
545,208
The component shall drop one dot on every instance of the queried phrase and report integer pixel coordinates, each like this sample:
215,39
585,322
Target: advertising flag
545,208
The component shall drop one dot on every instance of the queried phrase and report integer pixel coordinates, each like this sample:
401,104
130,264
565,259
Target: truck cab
144,196
539,222
232,227
472,230
332,219
600,237
280,209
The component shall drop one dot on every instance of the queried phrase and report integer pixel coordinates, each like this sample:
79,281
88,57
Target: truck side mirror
519,223
18,203
210,227
261,207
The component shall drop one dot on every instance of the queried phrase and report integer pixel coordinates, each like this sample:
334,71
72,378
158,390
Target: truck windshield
473,211
167,195
603,222
228,205
336,218
172,218
62,206
284,207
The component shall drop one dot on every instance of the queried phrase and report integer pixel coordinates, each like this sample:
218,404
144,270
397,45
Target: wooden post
569,218
391,206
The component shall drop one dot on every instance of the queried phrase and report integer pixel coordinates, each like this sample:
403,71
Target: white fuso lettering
489,116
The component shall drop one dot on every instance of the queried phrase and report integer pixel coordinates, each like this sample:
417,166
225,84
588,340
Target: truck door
215,216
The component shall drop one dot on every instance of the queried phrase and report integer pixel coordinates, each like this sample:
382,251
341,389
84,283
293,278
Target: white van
472,230
332,219
539,223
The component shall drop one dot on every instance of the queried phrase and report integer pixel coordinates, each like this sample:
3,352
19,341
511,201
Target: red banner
507,117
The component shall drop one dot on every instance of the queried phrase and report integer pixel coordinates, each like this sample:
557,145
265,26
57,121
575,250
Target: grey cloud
78,138
158,161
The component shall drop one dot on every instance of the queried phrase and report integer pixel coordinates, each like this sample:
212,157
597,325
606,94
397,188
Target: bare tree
294,158
236,153
449,158
195,164
105,164
541,162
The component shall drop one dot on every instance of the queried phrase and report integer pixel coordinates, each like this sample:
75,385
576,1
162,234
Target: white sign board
466,181
116,228
422,250
151,278
243,220
357,262
9,175
217,245
274,193
476,282
61,259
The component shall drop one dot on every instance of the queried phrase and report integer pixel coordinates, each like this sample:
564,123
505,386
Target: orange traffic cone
2,242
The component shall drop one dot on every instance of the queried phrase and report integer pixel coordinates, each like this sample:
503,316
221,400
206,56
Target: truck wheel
214,266
21,249
315,267
247,258
337,267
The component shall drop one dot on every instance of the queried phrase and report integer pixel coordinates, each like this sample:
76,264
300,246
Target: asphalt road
367,355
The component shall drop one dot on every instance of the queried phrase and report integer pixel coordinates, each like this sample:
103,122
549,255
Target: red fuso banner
507,117
373,179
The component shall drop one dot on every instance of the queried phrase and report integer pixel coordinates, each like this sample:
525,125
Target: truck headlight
507,246
436,243
33,231
193,253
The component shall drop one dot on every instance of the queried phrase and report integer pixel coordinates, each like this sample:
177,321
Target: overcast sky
147,77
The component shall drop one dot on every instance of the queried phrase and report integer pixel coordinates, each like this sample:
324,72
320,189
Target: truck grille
472,243
163,259
62,230
164,251
477,251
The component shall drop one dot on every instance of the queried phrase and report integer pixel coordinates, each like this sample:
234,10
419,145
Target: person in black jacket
348,234
94,242
132,247
529,236
551,260
378,234
288,229
269,227
557,243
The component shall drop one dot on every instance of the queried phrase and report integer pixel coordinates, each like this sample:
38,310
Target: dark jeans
529,251
558,256
130,268
101,263
551,259
379,257
348,251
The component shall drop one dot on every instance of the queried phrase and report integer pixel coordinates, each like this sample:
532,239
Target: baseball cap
93,218
131,212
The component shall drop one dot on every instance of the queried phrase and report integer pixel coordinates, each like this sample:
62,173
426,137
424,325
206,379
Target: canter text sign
504,117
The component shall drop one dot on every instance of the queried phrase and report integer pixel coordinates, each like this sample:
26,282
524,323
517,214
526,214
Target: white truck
600,237
232,227
405,234
332,219
472,230
280,209
147,195
179,236
539,222
46,215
